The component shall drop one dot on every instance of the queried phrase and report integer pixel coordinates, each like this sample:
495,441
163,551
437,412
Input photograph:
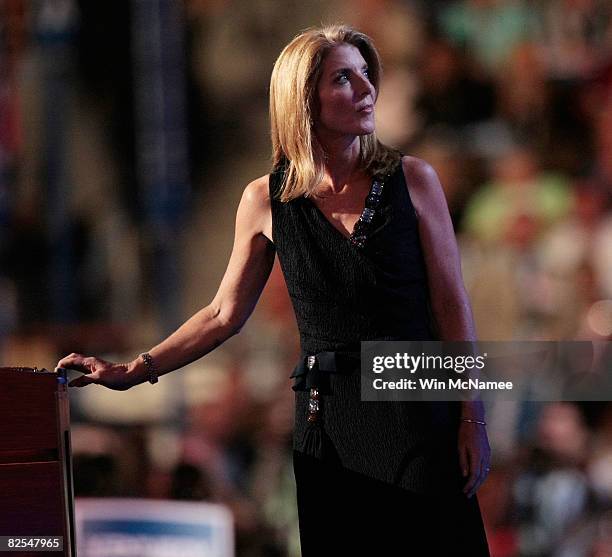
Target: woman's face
346,96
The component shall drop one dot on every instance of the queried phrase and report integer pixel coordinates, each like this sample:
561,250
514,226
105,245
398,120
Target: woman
396,478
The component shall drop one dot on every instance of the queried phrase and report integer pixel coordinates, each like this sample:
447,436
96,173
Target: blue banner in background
153,528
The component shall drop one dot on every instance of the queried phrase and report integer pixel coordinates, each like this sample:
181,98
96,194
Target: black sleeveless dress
379,477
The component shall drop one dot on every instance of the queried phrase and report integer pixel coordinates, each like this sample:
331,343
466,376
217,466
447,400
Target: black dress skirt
342,512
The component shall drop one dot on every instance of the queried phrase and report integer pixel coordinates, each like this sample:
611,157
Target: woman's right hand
118,377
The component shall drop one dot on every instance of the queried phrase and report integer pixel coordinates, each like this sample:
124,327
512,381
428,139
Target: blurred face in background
345,95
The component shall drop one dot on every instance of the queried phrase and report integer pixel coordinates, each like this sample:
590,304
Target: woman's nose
363,86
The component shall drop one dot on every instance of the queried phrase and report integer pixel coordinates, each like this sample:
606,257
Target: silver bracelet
473,421
150,367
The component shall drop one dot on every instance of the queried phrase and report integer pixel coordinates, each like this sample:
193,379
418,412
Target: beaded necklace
360,231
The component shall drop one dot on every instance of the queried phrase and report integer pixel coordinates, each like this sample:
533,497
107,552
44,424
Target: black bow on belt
314,370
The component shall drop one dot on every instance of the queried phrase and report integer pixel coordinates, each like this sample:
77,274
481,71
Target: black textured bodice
343,294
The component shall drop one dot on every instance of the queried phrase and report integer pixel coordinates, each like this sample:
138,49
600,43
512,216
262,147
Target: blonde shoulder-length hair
293,104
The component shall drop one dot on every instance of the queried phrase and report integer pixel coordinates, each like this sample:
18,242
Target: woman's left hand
474,455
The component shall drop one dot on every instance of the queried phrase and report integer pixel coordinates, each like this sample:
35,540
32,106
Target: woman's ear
314,109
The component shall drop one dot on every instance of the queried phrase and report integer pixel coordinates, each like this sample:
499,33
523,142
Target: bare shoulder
257,191
420,175
255,206
423,186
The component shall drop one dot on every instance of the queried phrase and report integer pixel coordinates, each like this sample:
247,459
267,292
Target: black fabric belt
313,370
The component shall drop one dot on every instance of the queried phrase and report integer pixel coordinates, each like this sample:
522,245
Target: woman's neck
342,156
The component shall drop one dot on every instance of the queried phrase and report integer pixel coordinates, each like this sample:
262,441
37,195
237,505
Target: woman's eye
344,77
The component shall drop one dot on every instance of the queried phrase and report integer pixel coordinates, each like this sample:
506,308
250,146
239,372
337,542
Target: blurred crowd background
128,130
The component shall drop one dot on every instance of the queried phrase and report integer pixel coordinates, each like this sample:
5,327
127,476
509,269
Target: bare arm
449,300
246,275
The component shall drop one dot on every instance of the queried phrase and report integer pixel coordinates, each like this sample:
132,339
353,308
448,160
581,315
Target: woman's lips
367,109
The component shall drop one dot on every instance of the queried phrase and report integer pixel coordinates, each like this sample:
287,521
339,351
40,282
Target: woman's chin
363,128
366,126
367,130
